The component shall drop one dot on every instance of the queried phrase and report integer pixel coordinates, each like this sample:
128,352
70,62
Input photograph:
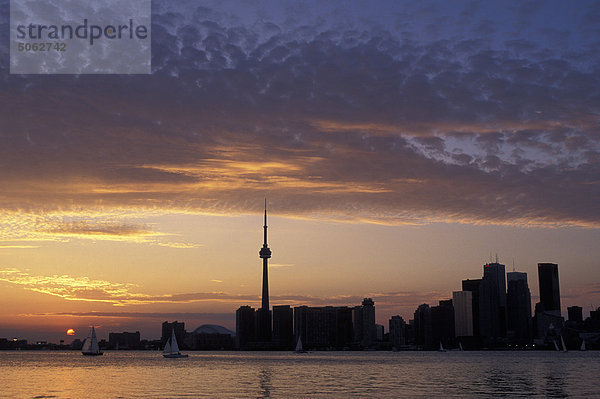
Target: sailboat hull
174,355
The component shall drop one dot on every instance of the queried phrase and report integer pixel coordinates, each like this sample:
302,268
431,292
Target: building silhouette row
493,311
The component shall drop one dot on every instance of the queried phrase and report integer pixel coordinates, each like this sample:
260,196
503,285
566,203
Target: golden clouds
101,224
73,288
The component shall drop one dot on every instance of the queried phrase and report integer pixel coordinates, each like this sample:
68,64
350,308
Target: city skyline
400,146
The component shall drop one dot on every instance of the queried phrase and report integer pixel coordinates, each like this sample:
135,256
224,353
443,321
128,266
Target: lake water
46,374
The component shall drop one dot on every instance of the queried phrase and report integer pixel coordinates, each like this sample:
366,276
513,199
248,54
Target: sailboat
441,348
556,346
582,347
90,345
299,348
562,342
171,350
460,348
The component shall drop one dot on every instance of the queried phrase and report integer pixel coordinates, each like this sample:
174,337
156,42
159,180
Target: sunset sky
398,143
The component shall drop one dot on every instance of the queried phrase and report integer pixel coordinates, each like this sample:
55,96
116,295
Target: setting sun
70,331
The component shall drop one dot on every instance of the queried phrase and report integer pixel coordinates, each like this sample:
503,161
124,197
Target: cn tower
264,329
265,254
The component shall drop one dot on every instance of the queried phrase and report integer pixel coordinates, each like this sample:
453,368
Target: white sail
167,349
299,345
94,342
174,346
556,345
582,348
85,347
460,346
562,341
90,344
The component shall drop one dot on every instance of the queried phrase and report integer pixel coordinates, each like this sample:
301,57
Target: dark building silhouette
518,303
363,319
283,327
325,327
179,332
442,323
397,328
463,313
492,303
422,327
473,286
549,287
124,340
575,314
245,326
210,337
263,315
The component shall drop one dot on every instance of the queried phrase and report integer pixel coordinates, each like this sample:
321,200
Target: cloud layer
483,113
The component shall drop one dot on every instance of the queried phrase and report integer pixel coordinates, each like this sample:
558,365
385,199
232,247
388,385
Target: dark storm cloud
390,122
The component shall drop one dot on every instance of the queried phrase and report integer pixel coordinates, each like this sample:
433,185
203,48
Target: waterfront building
283,327
397,328
473,285
463,313
363,320
492,303
422,327
442,323
124,340
245,326
549,287
325,327
518,302
575,314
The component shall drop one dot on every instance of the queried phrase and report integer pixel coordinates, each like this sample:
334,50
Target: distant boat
556,346
460,348
441,348
299,348
90,345
562,342
582,347
171,350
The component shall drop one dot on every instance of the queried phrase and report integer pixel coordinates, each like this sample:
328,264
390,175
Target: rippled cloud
400,121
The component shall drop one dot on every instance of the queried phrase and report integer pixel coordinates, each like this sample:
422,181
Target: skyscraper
473,285
549,287
363,318
263,314
492,303
518,306
463,313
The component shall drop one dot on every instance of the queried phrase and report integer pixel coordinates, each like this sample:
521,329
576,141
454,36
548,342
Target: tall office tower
283,327
473,286
518,305
492,303
442,323
363,319
575,313
463,313
263,314
422,330
549,287
397,332
245,326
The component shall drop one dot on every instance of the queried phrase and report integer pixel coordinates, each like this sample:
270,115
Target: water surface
123,374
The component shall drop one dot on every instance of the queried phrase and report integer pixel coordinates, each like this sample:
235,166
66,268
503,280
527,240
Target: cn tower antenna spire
265,226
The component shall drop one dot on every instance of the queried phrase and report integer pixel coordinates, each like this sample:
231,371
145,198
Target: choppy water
287,375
